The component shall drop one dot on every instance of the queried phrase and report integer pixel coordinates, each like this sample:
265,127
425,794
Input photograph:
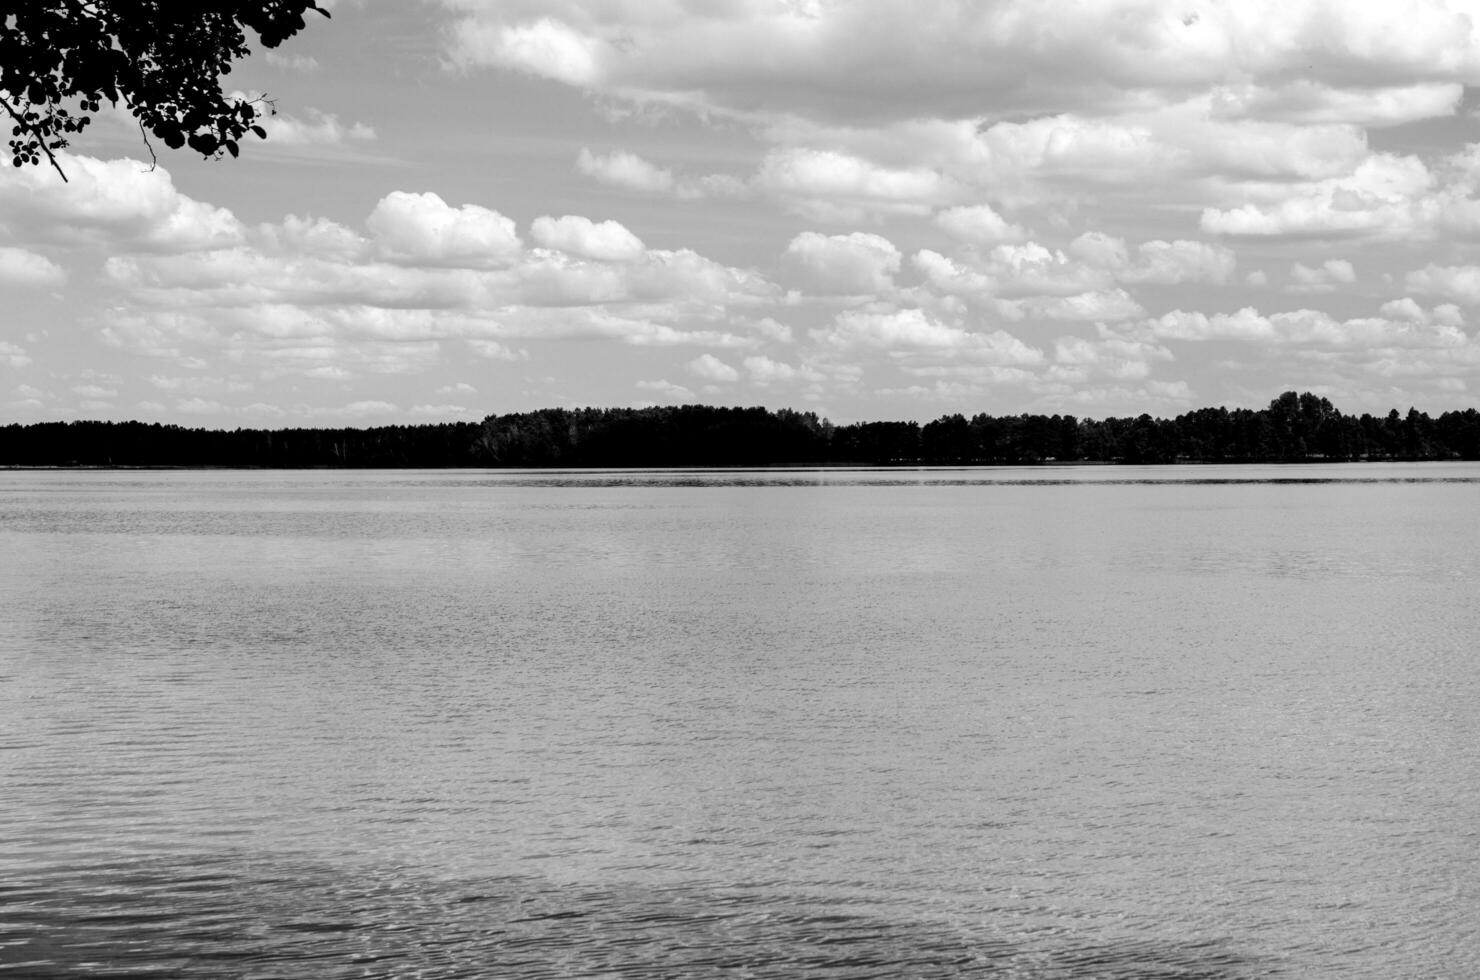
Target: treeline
152,444
1294,428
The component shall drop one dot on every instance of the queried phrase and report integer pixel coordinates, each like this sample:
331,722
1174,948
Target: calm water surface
1044,723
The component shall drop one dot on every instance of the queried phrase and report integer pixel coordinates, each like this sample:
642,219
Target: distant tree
1295,428
162,60
947,440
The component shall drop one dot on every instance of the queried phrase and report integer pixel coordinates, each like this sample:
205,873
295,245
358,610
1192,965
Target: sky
864,208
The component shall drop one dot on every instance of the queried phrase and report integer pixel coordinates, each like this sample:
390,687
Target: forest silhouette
1294,428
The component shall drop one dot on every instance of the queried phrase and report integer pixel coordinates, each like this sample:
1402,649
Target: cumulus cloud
1168,263
627,170
765,371
1408,309
1179,142
667,390
1089,307
831,186
424,229
316,298
1457,282
197,384
979,225
315,128
22,267
441,411
607,241
13,355
491,349
712,369
1081,282
546,47
1021,270
1325,278
631,172
312,236
1386,194
318,129
1307,101
908,60
1110,355
845,264
912,330
295,62
112,203
1307,327
765,328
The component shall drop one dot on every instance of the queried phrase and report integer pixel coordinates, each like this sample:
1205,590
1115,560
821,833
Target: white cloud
979,225
626,170
765,328
712,369
1180,261
13,355
838,61
1077,360
366,408
198,384
667,390
1457,282
1088,307
547,47
1032,268
1322,279
845,264
1407,309
1386,194
319,129
1404,309
1031,275
1307,101
22,267
493,350
119,203
441,411
316,237
1308,328
311,297
294,62
607,241
424,229
765,371
912,330
838,187
1100,250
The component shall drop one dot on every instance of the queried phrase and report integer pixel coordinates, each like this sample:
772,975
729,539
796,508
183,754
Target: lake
1054,722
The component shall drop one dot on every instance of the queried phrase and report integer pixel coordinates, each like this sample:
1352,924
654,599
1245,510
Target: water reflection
212,918
1033,476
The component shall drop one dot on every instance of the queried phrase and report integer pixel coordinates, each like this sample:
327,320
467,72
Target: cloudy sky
867,208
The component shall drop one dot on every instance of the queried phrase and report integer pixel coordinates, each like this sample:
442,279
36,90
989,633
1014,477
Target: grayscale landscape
739,490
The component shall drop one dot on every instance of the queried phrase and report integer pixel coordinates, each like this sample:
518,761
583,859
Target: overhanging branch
26,127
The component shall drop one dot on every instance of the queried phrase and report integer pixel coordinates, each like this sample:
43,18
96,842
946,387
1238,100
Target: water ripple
214,919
